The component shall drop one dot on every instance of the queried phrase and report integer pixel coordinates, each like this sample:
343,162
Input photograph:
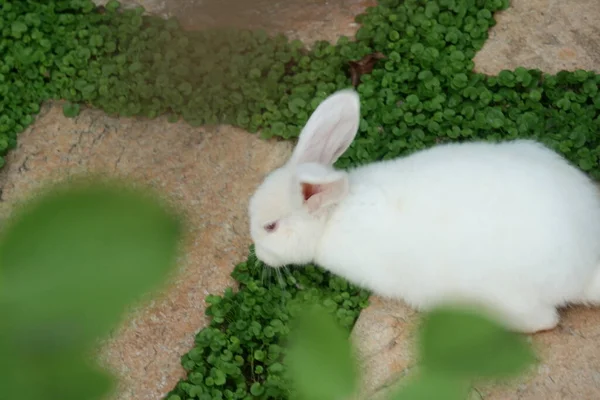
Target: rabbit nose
267,258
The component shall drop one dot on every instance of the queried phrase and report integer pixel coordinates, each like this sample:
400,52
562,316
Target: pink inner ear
309,190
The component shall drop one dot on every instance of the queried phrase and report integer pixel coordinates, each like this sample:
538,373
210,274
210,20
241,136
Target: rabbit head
290,208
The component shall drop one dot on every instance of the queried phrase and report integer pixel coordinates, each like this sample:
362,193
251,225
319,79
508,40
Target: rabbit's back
473,219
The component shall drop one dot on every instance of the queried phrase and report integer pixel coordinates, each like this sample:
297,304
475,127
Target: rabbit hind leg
530,317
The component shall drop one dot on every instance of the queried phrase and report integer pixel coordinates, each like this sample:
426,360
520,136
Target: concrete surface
210,173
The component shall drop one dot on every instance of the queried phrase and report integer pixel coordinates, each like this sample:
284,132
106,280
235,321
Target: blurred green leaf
468,343
430,387
71,260
48,372
320,359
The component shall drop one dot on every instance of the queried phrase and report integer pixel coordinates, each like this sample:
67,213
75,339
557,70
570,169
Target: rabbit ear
330,129
321,185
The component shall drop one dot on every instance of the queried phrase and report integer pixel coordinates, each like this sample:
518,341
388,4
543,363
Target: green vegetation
62,288
240,353
423,92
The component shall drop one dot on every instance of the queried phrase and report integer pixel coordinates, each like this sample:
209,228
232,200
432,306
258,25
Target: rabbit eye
271,227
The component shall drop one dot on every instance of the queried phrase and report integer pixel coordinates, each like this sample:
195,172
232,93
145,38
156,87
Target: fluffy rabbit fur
509,226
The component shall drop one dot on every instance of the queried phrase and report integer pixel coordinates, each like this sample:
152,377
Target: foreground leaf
471,344
70,262
50,374
320,358
432,386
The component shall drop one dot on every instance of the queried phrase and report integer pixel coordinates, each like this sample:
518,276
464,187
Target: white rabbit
512,226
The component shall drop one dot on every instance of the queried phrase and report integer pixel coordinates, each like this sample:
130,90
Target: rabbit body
511,226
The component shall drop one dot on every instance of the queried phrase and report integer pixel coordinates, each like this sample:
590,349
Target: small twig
363,66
